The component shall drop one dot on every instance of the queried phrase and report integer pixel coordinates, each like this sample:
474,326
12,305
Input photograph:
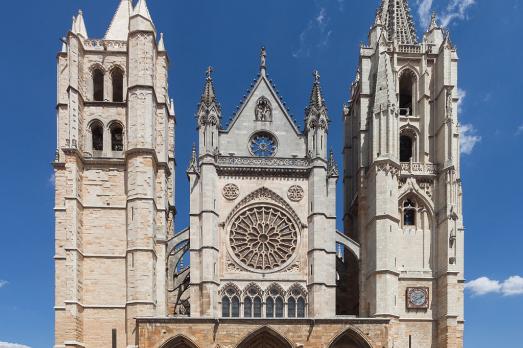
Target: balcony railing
418,168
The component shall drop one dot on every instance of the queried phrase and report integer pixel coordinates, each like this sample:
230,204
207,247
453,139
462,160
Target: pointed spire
119,28
398,22
141,9
263,60
73,25
193,164
316,100
208,96
385,88
332,166
80,28
161,44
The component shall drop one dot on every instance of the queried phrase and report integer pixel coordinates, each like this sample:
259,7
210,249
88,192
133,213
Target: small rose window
263,144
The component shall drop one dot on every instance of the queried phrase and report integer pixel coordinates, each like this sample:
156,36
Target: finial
263,59
161,44
193,165
332,166
209,72
317,76
433,21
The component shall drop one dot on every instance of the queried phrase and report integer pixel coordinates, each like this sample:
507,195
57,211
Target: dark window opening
279,307
117,79
301,308
257,307
270,308
98,137
98,85
291,308
409,213
405,148
247,307
226,307
235,313
117,138
406,94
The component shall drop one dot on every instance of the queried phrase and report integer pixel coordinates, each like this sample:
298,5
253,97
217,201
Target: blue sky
300,36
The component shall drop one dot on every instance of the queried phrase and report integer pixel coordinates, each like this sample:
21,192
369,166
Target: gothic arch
407,87
265,337
351,338
179,341
264,194
409,68
411,187
255,287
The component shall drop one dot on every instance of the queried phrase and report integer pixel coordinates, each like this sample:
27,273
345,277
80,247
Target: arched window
291,308
226,307
247,308
116,138
235,312
257,307
407,92
97,133
117,81
406,148
269,308
409,213
279,307
98,85
301,308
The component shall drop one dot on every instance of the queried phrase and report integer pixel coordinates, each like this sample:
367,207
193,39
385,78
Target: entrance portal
265,338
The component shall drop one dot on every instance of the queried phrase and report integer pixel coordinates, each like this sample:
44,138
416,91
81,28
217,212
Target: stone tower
402,181
262,199
114,171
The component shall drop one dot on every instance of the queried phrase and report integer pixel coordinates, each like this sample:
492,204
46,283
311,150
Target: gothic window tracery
252,303
296,302
409,213
263,144
263,110
263,237
274,302
230,302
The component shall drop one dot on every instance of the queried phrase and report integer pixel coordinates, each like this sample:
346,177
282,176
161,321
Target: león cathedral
268,268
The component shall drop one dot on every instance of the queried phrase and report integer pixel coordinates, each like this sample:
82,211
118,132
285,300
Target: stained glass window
263,145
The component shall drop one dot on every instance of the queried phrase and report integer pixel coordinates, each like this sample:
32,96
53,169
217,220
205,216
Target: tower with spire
114,172
402,181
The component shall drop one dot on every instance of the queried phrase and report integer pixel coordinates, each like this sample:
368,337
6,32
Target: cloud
455,10
2,284
469,138
519,131
513,286
317,34
12,345
461,94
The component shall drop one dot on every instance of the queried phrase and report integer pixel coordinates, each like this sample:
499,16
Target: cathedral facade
267,268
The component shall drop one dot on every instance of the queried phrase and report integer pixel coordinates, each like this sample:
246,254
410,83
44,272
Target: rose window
263,145
263,238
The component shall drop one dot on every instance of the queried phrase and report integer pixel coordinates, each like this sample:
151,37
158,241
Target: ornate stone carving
294,268
231,192
295,193
231,266
263,237
263,110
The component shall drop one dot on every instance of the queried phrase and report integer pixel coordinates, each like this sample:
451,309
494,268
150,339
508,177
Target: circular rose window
263,144
263,238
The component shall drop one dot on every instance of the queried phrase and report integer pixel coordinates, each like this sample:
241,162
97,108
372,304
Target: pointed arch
408,90
117,83
351,338
97,82
411,187
179,341
265,337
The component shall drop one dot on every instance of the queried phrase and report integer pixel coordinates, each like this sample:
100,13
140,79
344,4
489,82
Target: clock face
417,298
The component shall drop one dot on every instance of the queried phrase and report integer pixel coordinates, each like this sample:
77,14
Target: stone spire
316,100
141,9
161,44
119,28
395,16
79,25
332,167
193,164
385,90
433,22
208,95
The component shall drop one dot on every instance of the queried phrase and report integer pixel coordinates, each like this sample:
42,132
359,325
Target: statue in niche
263,110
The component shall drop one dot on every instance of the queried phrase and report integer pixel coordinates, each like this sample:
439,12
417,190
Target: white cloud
317,33
462,94
469,138
51,179
2,284
482,286
456,9
12,345
519,131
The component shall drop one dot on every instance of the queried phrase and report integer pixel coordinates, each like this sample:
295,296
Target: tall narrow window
97,132
98,85
226,307
291,308
409,213
269,310
247,307
279,307
235,312
117,80
257,307
407,87
116,138
301,308
406,145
